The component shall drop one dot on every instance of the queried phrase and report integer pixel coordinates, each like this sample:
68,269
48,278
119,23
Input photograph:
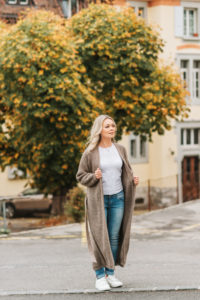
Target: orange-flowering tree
121,55
45,109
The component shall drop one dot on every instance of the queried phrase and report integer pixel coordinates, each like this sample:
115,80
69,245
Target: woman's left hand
136,180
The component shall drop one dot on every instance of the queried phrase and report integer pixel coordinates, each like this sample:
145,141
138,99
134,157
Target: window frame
18,2
137,5
12,2
26,3
183,133
68,12
190,82
187,27
192,6
138,159
15,173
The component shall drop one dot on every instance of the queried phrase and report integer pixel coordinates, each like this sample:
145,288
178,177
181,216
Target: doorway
190,178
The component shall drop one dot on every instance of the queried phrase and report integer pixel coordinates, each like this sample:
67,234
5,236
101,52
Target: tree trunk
58,202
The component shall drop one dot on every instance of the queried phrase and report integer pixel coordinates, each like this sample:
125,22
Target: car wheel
10,211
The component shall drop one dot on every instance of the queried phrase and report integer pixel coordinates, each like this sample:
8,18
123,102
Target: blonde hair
95,132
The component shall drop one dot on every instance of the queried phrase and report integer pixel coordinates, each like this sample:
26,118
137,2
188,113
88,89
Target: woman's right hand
98,173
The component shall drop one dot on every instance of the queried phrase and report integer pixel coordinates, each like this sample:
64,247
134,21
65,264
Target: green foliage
74,207
121,55
47,111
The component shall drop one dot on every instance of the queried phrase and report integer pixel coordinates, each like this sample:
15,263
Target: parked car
28,201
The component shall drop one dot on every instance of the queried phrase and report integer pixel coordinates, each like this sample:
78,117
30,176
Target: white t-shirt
111,168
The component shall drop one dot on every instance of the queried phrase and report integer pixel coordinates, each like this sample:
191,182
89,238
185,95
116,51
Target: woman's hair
95,132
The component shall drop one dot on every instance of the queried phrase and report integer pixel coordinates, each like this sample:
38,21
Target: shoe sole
116,286
108,289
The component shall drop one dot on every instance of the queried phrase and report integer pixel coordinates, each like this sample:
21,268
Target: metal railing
162,192
3,228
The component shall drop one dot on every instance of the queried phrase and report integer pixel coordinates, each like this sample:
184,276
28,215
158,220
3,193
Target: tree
52,72
45,109
121,55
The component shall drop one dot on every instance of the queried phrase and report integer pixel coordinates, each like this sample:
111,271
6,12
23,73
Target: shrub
74,207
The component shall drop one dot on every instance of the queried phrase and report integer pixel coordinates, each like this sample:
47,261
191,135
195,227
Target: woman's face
108,129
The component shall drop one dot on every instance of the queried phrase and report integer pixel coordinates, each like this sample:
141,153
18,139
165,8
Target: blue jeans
114,211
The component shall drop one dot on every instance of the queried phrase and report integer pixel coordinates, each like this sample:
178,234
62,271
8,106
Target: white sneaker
113,281
102,284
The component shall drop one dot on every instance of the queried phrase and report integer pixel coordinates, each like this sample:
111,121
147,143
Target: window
184,71
139,8
139,11
133,148
142,148
74,7
196,79
12,1
69,7
187,20
15,173
190,137
190,22
23,2
18,2
190,73
137,149
196,136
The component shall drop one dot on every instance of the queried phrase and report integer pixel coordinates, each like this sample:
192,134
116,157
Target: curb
152,212
94,291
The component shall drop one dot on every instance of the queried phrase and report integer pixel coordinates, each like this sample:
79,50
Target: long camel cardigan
96,226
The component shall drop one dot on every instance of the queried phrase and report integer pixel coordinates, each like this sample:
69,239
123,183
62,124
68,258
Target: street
54,263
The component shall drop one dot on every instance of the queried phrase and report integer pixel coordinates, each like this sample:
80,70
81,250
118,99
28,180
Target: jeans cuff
109,271
100,273
100,276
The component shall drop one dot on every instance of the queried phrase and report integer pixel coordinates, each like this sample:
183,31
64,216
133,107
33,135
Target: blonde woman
105,170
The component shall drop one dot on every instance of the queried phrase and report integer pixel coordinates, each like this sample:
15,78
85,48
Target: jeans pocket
120,195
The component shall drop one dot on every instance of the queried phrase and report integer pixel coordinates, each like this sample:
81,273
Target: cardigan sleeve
84,175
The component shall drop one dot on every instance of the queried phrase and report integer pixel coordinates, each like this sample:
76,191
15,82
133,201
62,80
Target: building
169,168
10,9
172,161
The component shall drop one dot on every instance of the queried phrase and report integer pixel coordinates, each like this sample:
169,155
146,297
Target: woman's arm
84,175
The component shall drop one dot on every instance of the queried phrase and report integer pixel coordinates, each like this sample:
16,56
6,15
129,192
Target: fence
163,192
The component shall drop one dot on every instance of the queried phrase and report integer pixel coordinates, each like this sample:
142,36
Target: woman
109,203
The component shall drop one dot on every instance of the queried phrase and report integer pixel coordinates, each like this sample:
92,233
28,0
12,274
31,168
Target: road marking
60,236
83,235
39,237
140,231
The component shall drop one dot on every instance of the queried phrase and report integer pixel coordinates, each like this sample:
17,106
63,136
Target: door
190,178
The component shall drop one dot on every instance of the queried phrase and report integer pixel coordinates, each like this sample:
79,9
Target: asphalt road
163,260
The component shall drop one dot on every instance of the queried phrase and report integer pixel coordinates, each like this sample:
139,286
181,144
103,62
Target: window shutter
198,20
178,21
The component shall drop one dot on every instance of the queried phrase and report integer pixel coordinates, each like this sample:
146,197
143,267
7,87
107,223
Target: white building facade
171,164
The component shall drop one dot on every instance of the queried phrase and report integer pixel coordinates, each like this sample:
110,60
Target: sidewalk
163,255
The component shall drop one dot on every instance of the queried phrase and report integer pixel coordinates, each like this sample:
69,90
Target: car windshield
30,192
